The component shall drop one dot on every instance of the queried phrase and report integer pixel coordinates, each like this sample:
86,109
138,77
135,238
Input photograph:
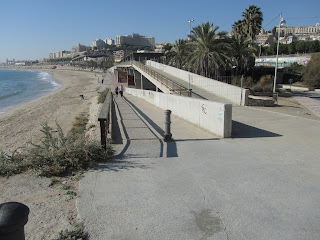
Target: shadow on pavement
116,134
171,146
118,165
152,123
241,130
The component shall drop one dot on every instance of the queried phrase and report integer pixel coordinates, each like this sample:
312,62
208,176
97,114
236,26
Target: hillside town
109,49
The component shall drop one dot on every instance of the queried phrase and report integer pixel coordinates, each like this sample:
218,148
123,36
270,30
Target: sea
21,86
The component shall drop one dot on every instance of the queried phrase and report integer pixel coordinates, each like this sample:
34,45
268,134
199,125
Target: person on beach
121,90
116,91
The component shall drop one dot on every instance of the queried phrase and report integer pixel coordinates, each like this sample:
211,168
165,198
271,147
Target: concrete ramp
211,116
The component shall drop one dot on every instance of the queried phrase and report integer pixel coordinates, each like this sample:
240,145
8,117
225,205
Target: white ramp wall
211,116
230,92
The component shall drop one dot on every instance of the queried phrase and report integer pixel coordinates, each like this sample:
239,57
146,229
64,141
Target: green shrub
80,123
311,74
78,234
236,81
248,82
268,88
60,155
12,164
102,96
56,155
257,88
266,80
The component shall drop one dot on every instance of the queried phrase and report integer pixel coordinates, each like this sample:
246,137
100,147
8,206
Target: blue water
21,86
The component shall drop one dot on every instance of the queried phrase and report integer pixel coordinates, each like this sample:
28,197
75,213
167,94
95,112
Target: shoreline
22,123
39,96
52,209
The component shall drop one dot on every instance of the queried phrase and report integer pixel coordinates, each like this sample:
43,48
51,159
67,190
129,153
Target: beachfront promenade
263,183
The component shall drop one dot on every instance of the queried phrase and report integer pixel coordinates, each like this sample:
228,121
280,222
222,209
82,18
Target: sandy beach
51,208
21,124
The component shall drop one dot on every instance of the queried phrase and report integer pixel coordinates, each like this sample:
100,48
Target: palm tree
242,52
252,19
178,54
237,27
208,53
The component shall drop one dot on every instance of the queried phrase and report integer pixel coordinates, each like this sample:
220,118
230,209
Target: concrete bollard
13,217
167,133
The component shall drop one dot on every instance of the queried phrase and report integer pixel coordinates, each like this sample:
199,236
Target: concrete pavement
310,99
261,184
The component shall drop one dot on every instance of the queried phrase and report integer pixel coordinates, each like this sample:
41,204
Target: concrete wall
230,92
211,116
154,81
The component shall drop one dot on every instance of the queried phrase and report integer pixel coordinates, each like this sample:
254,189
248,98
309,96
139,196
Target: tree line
211,53
295,47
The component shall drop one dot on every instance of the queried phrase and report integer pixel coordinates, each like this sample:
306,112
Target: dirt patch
291,107
52,205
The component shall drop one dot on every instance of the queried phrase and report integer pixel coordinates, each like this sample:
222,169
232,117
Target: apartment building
135,40
300,30
98,43
109,41
80,48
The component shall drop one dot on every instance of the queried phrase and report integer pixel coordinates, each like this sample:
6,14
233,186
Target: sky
31,29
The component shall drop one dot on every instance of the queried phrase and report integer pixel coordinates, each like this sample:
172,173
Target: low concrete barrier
211,116
230,92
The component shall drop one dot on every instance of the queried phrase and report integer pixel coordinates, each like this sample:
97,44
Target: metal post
13,217
141,81
167,133
282,21
103,134
241,90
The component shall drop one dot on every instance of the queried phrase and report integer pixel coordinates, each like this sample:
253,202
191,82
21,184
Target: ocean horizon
21,86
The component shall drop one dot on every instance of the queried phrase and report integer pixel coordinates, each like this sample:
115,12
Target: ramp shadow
117,165
241,130
171,146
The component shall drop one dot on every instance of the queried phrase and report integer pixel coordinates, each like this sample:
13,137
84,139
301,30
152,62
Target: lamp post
282,22
190,21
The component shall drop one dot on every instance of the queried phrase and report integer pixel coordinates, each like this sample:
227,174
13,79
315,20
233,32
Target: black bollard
13,217
167,133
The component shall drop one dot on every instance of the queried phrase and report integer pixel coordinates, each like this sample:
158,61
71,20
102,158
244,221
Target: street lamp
282,22
190,21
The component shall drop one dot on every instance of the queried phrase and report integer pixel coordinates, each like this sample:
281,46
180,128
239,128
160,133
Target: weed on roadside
102,96
78,234
57,154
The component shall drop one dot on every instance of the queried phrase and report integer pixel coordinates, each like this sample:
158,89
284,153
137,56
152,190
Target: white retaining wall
211,116
230,92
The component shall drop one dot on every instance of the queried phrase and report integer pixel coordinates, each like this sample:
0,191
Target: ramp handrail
172,85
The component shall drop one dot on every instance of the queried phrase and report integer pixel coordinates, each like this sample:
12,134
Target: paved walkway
263,183
309,99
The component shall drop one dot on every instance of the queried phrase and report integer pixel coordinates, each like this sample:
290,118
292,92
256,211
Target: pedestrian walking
116,91
121,90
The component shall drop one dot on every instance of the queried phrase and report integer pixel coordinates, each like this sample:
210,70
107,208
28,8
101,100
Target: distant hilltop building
98,43
59,54
118,55
109,41
80,48
159,47
298,31
288,34
135,40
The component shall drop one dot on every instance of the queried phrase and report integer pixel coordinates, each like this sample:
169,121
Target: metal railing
174,87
